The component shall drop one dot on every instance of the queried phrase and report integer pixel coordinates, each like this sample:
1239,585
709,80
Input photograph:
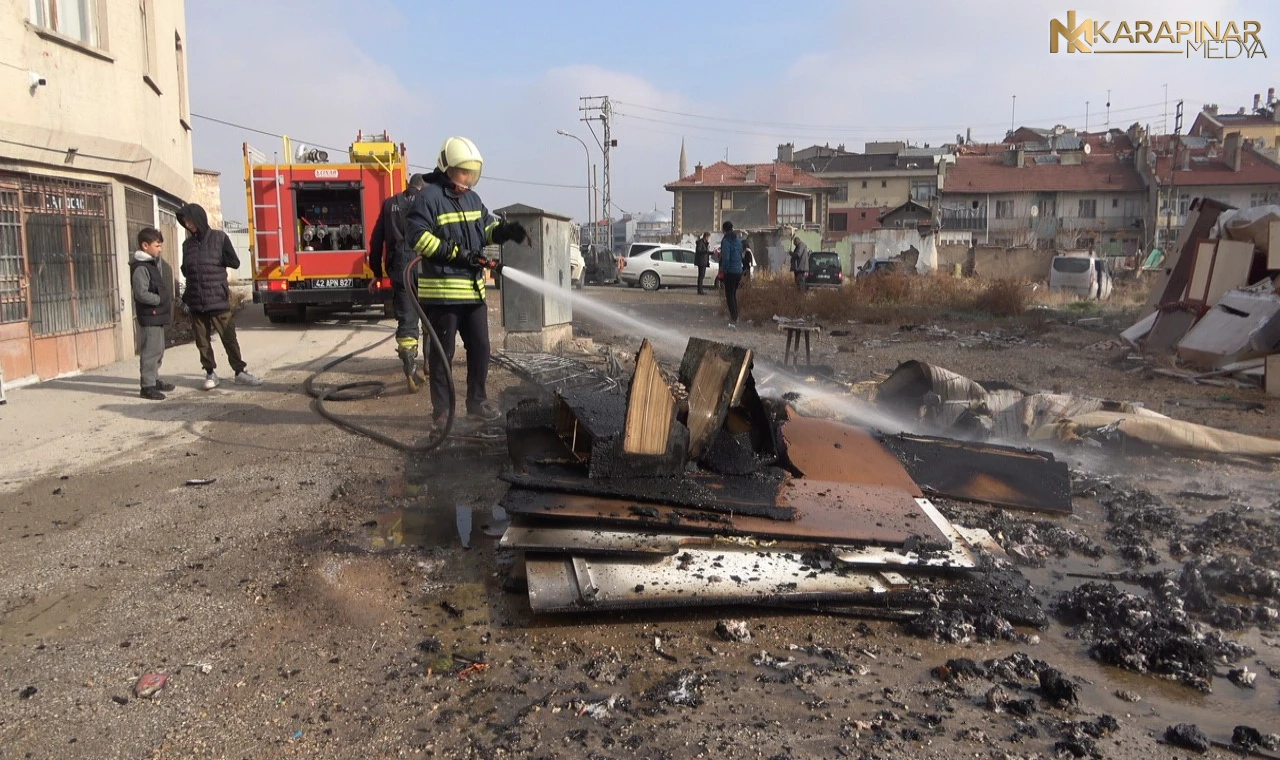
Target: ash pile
692,489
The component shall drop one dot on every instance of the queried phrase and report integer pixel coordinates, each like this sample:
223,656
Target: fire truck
309,225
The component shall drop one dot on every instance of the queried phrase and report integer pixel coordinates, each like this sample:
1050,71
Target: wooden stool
794,333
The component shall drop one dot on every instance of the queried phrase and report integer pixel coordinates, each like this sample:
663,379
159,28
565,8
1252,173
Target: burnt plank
855,516
651,409
985,473
755,494
715,374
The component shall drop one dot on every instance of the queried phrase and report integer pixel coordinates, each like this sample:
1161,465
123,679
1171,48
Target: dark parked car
876,266
601,265
824,270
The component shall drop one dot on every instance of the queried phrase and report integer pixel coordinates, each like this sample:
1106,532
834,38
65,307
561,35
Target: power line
842,128
412,166
761,133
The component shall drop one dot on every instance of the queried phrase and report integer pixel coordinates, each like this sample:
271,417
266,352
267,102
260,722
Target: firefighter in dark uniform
387,244
449,227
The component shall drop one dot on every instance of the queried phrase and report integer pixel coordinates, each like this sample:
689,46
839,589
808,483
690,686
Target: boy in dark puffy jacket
207,254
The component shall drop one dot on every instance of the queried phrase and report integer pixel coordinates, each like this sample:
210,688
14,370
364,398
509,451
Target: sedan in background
665,267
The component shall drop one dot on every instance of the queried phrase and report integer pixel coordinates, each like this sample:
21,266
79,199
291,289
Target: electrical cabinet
545,256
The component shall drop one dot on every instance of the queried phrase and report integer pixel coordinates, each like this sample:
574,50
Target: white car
1082,273
577,268
666,267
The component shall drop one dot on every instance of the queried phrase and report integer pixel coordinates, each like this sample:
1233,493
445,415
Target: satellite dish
1035,211
1088,149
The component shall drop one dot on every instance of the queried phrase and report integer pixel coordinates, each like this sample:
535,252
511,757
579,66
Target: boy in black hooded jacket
207,254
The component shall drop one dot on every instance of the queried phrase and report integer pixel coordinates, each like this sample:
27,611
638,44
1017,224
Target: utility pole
598,107
1013,114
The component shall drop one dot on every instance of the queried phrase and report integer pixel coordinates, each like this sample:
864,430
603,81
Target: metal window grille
139,212
13,268
69,254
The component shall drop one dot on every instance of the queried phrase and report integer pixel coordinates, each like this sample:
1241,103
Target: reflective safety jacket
443,226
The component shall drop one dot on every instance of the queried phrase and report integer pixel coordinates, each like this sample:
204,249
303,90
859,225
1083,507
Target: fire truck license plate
333,282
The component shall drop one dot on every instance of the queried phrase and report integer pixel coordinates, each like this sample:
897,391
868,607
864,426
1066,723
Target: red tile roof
1254,169
777,174
986,172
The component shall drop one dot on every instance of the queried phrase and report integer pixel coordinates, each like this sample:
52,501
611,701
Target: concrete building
752,196
208,193
866,185
1259,126
95,143
1179,169
1070,191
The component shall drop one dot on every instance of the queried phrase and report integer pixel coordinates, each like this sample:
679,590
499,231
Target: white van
1082,273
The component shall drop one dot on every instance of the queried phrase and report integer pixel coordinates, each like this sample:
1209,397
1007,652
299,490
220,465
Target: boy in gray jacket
153,306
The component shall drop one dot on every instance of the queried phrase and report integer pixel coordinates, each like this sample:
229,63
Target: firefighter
389,233
450,226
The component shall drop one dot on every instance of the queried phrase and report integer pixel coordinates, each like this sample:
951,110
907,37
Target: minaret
684,161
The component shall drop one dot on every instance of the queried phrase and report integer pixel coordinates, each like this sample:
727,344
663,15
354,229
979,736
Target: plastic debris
148,685
733,630
199,481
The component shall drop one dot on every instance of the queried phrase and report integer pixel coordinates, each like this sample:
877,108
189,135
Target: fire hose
367,389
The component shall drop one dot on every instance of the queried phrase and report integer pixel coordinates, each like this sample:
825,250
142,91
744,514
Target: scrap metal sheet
985,473
847,515
692,577
597,541
831,450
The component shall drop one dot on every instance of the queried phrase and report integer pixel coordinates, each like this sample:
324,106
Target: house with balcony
1259,127
752,196
1181,168
868,185
1062,191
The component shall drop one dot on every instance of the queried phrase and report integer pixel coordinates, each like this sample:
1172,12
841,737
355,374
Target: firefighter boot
407,348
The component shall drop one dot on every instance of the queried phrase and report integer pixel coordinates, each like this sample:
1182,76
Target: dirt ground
314,599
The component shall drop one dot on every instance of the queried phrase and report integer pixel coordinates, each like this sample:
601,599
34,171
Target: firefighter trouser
471,321
406,316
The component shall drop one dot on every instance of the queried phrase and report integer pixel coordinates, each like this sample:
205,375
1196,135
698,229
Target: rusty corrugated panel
848,514
833,451
998,475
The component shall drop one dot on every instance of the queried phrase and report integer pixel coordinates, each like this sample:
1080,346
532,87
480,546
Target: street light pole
588,155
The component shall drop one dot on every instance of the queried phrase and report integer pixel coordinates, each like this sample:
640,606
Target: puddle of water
411,526
463,521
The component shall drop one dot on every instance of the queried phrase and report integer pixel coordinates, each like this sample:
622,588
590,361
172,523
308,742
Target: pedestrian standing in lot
207,254
731,264
388,256
748,261
450,226
151,281
800,262
702,258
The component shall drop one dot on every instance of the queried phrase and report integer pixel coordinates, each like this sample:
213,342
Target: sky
728,79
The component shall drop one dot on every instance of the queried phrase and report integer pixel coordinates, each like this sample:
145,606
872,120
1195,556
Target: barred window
70,255
13,291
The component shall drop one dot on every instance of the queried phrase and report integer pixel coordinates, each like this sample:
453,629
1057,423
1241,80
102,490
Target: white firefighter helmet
460,153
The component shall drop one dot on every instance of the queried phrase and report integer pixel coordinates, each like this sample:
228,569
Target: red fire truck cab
309,225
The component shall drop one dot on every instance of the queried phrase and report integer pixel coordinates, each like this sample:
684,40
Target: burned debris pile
1215,300
951,404
694,490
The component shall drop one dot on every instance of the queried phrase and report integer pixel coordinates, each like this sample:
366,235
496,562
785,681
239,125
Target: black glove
475,260
509,231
